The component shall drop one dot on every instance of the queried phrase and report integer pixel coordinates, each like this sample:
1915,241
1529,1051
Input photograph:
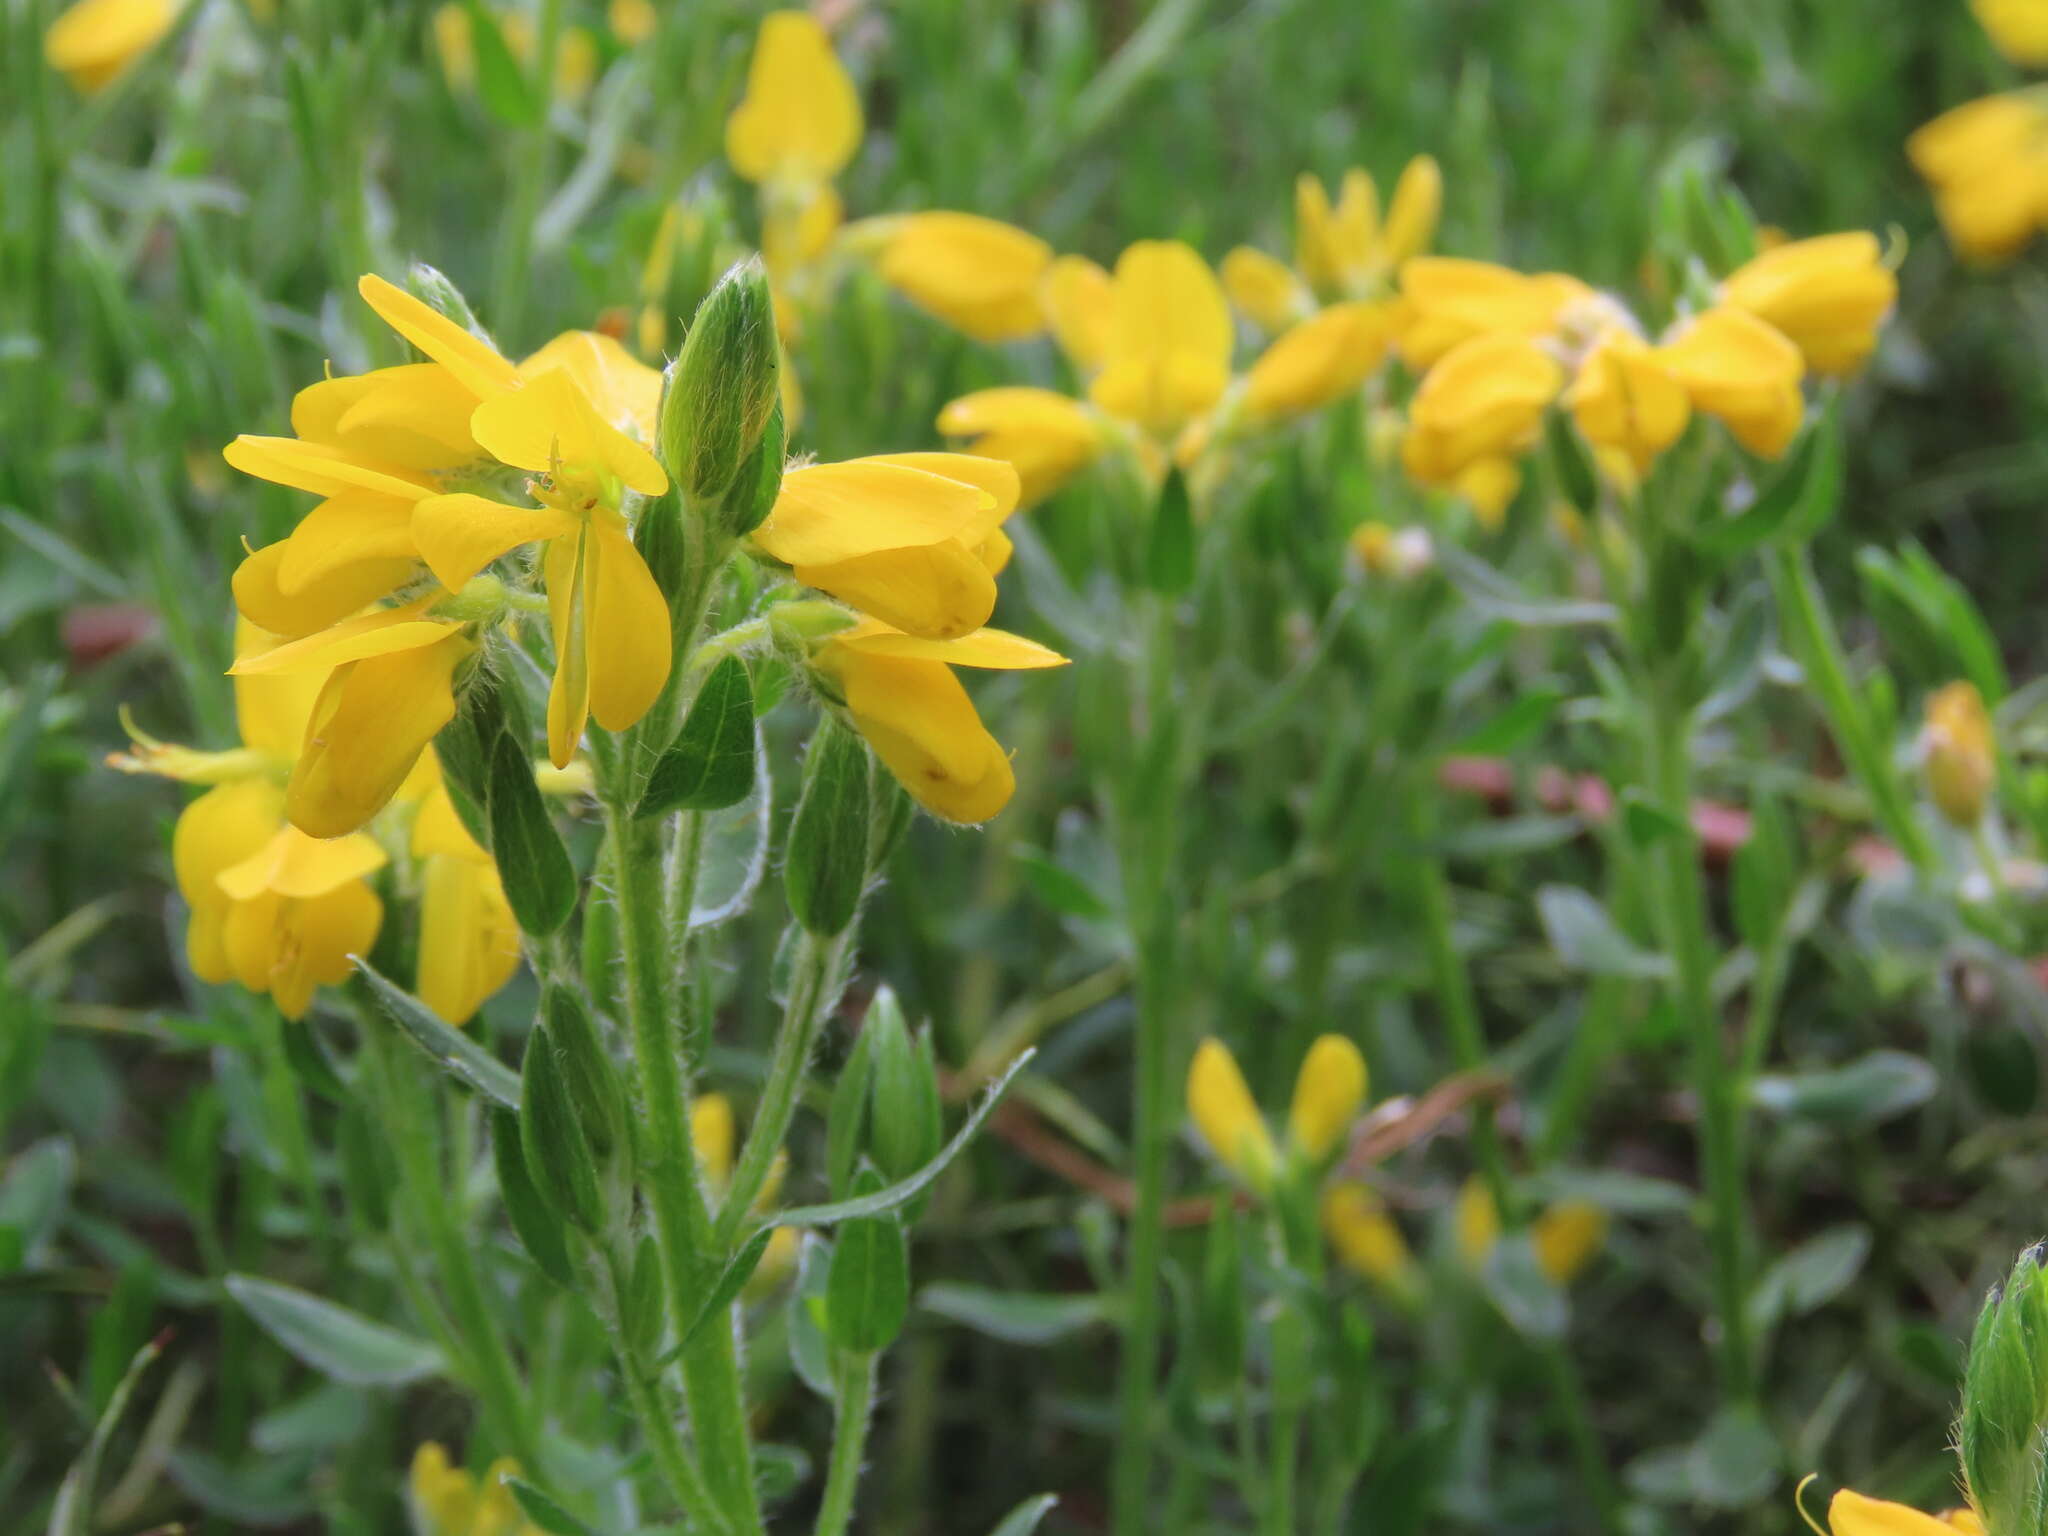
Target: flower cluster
1987,160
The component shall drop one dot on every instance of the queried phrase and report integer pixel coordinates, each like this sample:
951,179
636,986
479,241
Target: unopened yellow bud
1961,756
1328,1094
711,1134
1365,1236
1221,1106
1566,1237
1475,1221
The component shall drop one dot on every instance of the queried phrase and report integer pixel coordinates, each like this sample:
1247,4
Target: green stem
669,1172
853,1380
530,174
813,982
664,1440
1680,901
1595,1480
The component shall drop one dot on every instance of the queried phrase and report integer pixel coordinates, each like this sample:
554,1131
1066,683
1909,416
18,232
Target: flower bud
904,1131
2002,1433
435,289
1961,760
1221,1106
827,865
1328,1094
724,387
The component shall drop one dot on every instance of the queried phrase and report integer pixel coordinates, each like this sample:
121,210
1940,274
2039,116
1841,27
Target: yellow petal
994,552
1742,371
414,417
1160,392
1317,361
318,468
832,512
1079,299
1828,295
1222,1108
1264,289
469,940
261,597
941,591
632,22
379,633
1485,399
1046,437
564,568
437,829
372,721
923,726
1624,398
630,644
95,41
271,712
1170,336
995,649
1566,1237
2019,29
550,423
459,535
319,936
1364,1235
995,476
1329,1092
1451,299
1475,1222
291,864
348,530
713,1136
220,829
1317,248
473,361
800,119
979,275
1411,216
1852,1514
623,390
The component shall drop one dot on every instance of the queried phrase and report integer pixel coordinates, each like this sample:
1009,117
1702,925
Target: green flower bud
751,496
2002,1433
827,866
434,289
724,387
904,1131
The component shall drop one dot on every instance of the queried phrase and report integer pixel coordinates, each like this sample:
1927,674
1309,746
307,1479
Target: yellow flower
454,41
1489,486
1222,1108
2018,28
1852,1514
1475,1222
715,1139
1168,357
1079,301
632,22
1365,1236
1565,1237
388,689
1329,1091
1325,356
1743,372
1987,162
1265,289
900,537
1623,398
905,701
1828,295
272,908
1047,437
979,275
1345,251
1961,753
94,42
1484,400
800,121
448,1501
1384,550
1447,300
469,939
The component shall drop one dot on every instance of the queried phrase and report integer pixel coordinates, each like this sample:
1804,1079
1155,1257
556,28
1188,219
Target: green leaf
72,1513
905,1190
1514,1281
1059,888
1023,1520
1170,546
809,1351
540,882
1574,466
1493,595
1873,1088
826,867
847,1119
447,1047
1513,726
1586,938
1811,1275
1015,1317
558,1154
342,1345
731,1281
867,1289
1646,822
711,764
544,1511
507,91
1795,505
539,1230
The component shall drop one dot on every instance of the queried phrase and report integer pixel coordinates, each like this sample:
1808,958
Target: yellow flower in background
1853,1514
632,22
1329,1091
449,1501
94,42
1987,163
1475,1222
1742,371
1169,339
1045,436
1343,250
1320,360
1828,295
455,42
1397,553
1079,301
715,1139
1565,1237
906,703
272,908
388,689
1484,400
1623,398
800,121
981,276
469,939
1221,1105
2017,28
1265,289
1960,752
1489,486
1365,1237
910,538
1448,300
